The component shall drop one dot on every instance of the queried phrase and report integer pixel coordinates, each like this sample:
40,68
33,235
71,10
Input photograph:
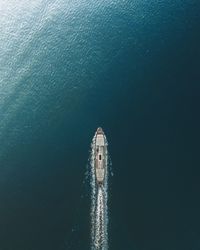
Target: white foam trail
99,209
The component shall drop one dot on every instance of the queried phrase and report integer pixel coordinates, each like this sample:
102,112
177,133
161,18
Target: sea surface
70,66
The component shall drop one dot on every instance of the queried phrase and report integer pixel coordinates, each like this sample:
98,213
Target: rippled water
67,67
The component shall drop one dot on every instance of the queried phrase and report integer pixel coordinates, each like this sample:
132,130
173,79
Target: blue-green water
67,67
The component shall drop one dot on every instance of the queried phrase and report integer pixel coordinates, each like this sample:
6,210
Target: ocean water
70,66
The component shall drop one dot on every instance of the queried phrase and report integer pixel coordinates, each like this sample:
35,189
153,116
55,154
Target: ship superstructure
100,155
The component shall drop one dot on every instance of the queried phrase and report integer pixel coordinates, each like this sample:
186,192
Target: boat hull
100,155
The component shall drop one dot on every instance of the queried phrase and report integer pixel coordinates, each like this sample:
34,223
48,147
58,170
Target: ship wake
99,209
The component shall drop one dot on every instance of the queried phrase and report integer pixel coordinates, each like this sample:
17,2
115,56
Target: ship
100,156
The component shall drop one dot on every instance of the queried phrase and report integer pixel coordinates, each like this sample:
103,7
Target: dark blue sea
129,66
